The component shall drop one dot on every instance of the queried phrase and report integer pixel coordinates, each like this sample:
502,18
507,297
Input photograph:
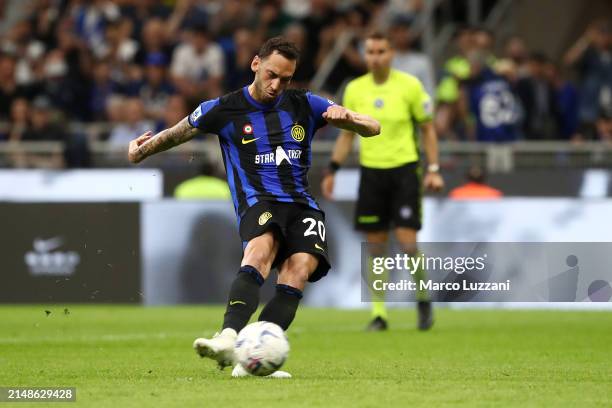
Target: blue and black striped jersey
266,148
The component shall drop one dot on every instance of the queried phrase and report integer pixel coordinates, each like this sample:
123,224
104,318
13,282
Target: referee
390,190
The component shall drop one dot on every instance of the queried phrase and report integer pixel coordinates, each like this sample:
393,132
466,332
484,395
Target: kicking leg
243,299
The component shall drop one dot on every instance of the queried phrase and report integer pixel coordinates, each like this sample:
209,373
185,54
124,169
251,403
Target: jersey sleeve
421,105
318,105
206,116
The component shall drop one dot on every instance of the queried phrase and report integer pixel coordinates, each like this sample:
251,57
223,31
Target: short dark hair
279,44
378,35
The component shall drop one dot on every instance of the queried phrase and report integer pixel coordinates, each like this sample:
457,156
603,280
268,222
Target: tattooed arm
148,144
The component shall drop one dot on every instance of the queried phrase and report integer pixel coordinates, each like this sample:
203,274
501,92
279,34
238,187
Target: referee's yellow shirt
397,103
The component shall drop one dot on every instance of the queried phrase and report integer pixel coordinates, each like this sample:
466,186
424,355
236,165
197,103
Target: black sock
282,307
243,298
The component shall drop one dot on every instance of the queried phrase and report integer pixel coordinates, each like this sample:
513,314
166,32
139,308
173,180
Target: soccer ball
261,348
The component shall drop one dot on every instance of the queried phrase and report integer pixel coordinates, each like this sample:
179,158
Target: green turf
141,357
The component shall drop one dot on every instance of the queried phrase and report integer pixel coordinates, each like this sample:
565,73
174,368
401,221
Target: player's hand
338,115
433,181
327,185
134,154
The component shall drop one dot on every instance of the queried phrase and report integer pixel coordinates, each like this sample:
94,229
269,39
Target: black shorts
297,227
389,197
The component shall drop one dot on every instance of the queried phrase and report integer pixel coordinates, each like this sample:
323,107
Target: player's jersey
396,104
266,148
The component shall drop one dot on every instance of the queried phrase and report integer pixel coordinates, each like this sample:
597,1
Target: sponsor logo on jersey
278,156
319,247
298,133
265,217
246,141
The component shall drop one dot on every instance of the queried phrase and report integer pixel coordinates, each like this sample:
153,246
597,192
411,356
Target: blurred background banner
191,251
58,253
80,185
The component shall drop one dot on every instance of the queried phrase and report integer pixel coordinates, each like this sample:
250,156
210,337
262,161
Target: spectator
592,54
456,69
153,41
271,18
101,90
232,15
350,64
90,20
186,13
43,129
566,102
239,66
28,51
322,15
134,123
197,66
296,33
516,50
156,89
491,102
484,41
538,99
475,188
19,120
604,127
44,18
408,60
9,89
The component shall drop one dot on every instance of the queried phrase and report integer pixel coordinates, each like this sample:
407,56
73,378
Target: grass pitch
123,356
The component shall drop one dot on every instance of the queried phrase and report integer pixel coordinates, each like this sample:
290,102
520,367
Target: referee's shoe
425,315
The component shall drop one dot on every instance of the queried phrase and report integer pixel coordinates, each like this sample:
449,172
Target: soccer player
265,131
390,187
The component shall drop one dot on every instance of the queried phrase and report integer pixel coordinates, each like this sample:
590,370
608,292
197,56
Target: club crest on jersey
264,217
298,132
378,103
247,129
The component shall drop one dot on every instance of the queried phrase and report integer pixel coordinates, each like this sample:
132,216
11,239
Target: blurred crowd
522,94
144,64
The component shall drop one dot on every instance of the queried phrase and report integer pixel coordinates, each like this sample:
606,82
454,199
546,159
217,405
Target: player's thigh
372,209
297,269
307,234
260,252
406,201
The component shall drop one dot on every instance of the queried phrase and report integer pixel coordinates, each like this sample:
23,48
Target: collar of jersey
260,105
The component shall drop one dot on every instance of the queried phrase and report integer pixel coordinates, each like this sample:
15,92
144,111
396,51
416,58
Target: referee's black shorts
389,198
